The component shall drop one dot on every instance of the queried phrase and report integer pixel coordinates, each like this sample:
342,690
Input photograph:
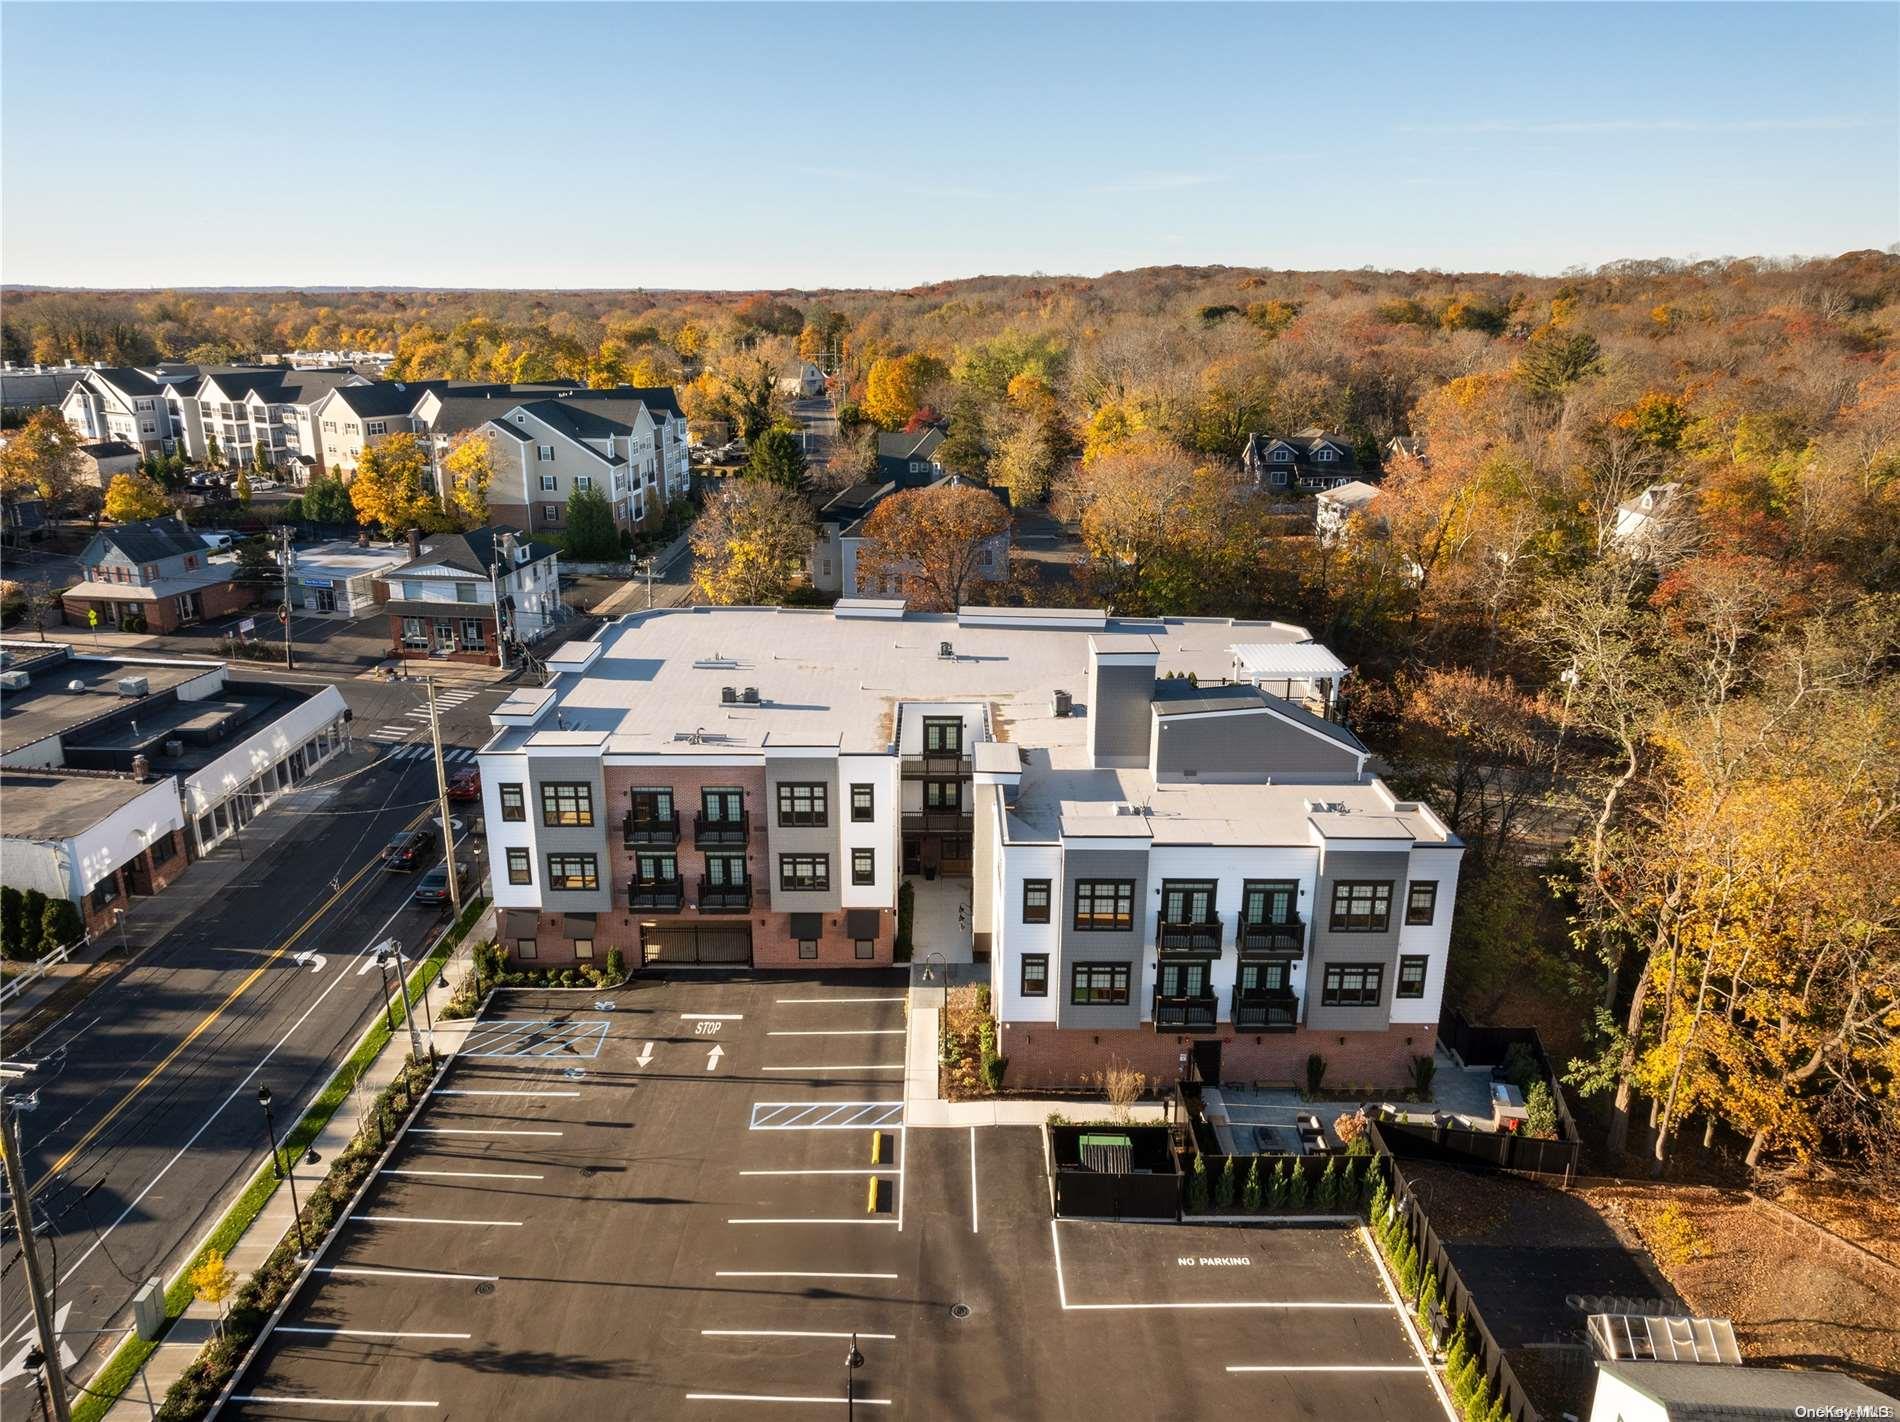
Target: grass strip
123,1366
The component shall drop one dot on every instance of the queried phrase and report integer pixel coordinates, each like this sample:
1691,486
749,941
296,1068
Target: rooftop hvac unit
1065,703
134,686
946,652
174,748
14,681
728,696
76,687
750,696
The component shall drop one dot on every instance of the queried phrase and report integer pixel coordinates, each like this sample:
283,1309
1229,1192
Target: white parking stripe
856,1219
825,1115
853,1032
424,1219
789,1333
712,1017
773,1397
846,1066
507,1093
786,1274
853,1170
783,1001
286,1400
1326,1368
1062,1296
366,1271
463,1131
368,1333
469,1174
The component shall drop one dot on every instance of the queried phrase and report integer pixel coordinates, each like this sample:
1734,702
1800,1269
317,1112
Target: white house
1333,508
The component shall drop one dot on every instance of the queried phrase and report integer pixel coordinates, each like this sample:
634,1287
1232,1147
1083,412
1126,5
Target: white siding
1437,862
1230,867
880,835
1011,937
504,835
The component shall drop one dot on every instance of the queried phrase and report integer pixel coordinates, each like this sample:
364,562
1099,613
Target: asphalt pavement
241,975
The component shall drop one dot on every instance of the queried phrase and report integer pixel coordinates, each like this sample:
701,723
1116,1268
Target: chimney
1121,686
141,769
362,538
415,543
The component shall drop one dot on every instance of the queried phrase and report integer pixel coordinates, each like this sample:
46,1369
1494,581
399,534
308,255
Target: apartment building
1168,863
270,410
140,407
352,417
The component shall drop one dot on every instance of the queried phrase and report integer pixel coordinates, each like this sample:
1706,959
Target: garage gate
695,944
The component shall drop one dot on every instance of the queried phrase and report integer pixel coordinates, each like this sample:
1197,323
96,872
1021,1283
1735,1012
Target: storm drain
961,1310
484,1288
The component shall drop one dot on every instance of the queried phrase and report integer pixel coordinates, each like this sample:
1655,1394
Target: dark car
405,852
466,783
434,887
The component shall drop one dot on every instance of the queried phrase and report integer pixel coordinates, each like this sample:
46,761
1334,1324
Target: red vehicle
466,783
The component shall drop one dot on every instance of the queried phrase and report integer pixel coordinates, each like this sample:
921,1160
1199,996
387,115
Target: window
518,870
1421,902
1035,901
1262,977
512,807
808,947
863,866
1268,900
1035,979
1325,455
465,592
474,635
866,948
1352,984
1411,982
1361,907
802,804
549,482
105,891
804,872
567,804
943,735
551,513
573,871
544,452
1104,905
1099,985
524,948
653,805
163,849
413,591
1187,901
656,868
191,560
943,794
375,427
863,804
1282,456
583,947
725,871
583,481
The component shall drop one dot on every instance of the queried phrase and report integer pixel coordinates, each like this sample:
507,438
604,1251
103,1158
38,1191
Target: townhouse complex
548,439
1173,855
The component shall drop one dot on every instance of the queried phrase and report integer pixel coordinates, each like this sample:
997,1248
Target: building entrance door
1207,1062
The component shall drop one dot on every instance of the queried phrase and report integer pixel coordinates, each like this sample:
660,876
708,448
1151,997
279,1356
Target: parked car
434,886
404,853
218,542
466,783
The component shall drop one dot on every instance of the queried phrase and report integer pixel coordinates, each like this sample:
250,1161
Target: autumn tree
391,487
931,545
897,385
469,468
750,543
42,461
134,496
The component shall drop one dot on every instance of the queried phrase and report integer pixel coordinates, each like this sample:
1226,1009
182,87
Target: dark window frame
816,813
1266,888
1113,993
650,796
656,857
1369,990
558,879
512,798
807,948
726,863
820,884
722,796
1377,919
1039,985
520,865
868,812
1116,891
945,745
1187,887
1417,915
1031,912
864,948
868,873
936,790
578,810
1406,987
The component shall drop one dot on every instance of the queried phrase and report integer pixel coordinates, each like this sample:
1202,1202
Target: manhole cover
589,1171
574,1073
959,1310
484,1288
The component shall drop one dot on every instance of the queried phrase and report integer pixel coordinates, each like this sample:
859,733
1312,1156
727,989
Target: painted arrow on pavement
646,1053
712,1057
310,959
18,1368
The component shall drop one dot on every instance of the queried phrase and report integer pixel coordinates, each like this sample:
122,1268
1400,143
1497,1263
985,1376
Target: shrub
1427,1297
133,622
1540,1112
12,922
1252,1193
60,925
1315,1073
1673,1235
616,967
1197,1187
1349,1183
33,924
1296,1186
1327,1194
1463,1381
1482,1400
1381,1199
1423,1069
1520,1067
1497,1411
993,1069
1349,1126
983,998
1458,1355
1122,1085
1224,1186
1276,1186
1408,1270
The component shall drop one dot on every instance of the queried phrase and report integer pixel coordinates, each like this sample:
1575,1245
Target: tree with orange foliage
931,546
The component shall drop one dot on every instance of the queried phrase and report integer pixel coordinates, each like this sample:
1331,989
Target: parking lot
666,1209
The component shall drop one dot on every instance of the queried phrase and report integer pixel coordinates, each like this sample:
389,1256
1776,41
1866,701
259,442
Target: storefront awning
860,924
806,926
519,923
581,925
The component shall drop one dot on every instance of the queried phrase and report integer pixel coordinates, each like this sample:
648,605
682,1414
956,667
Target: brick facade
138,875
161,614
489,657
1043,1055
772,943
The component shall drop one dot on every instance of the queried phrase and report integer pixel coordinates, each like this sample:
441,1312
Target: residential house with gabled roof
471,597
908,458
1311,460
1333,508
273,408
132,406
153,575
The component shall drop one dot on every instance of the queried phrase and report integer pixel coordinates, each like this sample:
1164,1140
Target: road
818,421
147,1123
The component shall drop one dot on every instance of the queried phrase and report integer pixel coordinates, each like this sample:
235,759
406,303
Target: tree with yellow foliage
391,487
135,496
41,461
469,468
898,386
213,1281
751,543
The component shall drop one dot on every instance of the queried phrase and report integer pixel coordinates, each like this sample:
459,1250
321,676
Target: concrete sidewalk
199,1322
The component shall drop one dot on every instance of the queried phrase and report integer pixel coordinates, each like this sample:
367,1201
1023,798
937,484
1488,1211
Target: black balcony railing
720,834
936,764
724,898
939,821
1173,937
1186,1014
1261,1011
1283,939
651,831
656,894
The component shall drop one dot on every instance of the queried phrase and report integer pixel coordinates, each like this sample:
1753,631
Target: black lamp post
382,961
277,1169
852,1362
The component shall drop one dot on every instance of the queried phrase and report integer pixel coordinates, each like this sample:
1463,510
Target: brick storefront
1041,1055
772,943
140,875
161,614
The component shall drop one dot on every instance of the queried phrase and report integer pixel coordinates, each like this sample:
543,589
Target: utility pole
494,597
442,801
283,608
29,1247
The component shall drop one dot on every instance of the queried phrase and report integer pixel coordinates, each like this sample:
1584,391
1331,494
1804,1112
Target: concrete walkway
199,1322
940,920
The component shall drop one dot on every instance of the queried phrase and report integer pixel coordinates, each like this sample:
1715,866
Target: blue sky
884,145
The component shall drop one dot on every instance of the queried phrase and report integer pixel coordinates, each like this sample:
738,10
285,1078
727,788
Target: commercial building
343,578
116,772
1168,863
154,575
467,597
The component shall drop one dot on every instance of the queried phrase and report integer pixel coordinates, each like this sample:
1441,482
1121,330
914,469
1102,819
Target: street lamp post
852,1362
428,1015
382,961
282,1171
392,949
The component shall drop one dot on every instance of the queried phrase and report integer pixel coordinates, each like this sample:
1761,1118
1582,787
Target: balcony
724,898
1263,1011
647,833
667,894
1285,939
939,822
720,834
1187,937
934,765
1186,1014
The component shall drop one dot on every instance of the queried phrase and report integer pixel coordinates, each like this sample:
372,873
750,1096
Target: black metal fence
1490,1046
1501,1150
1457,1298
